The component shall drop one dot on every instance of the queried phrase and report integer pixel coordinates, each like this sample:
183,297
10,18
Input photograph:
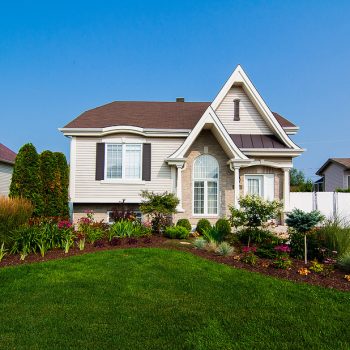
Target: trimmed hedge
203,225
184,223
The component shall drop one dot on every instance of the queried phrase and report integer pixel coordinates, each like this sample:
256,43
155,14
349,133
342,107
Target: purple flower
282,248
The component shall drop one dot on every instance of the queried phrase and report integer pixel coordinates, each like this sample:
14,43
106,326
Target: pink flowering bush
64,224
282,248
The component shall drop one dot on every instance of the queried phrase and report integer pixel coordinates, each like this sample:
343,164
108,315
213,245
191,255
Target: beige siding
251,122
5,178
88,189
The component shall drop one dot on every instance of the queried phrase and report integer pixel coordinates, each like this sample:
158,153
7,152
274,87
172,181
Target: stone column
179,187
286,189
236,185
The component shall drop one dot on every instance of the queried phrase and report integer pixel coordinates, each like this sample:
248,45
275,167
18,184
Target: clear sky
58,59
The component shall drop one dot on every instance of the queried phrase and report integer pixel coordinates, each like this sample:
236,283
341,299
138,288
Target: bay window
123,161
205,185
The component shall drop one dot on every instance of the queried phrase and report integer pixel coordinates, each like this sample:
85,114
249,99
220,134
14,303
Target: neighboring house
335,174
207,153
7,161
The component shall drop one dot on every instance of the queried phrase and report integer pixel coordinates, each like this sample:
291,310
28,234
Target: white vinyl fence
330,204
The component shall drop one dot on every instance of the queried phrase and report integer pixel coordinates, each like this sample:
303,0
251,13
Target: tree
298,182
254,211
63,173
303,223
50,182
159,206
26,182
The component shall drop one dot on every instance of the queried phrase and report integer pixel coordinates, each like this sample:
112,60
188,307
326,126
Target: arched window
205,185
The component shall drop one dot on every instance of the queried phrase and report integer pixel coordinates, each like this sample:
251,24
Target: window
123,161
205,185
254,185
236,109
110,221
260,185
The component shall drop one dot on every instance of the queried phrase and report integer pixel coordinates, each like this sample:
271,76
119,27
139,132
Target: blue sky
60,59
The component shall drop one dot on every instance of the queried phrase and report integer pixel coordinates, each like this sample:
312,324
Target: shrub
316,266
249,256
302,223
254,211
92,230
224,226
63,175
177,232
26,181
202,225
121,212
282,262
159,207
184,223
224,249
297,245
213,234
344,262
14,212
51,188
200,243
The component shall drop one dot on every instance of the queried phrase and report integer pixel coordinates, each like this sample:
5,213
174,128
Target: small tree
159,206
254,211
26,182
303,223
51,183
63,173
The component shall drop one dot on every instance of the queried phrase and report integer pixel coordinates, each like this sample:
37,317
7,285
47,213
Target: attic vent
180,99
236,109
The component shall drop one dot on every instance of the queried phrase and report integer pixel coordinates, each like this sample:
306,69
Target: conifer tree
63,171
26,181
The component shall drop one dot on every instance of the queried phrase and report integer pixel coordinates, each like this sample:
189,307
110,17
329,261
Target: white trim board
239,77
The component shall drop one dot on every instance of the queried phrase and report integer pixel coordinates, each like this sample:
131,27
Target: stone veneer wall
226,179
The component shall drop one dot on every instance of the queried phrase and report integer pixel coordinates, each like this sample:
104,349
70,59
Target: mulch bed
334,281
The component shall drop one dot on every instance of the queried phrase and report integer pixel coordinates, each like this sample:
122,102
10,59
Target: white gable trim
239,77
211,120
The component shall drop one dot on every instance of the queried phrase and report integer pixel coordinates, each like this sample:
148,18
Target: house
7,161
207,153
335,174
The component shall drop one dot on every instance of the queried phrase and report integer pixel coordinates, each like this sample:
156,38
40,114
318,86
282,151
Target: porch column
236,185
179,187
286,188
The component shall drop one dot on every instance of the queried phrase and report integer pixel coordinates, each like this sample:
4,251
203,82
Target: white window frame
123,178
205,214
263,190
258,177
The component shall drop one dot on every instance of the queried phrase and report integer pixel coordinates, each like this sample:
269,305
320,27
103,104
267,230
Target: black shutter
100,161
146,162
236,109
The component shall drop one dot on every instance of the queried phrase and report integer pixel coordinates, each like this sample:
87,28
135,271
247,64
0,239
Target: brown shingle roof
6,155
153,115
345,162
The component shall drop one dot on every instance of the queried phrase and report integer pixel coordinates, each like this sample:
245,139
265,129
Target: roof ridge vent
180,99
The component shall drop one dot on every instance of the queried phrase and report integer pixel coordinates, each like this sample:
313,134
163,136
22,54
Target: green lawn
163,299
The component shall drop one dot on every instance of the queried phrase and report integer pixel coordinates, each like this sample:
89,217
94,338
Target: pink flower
283,248
248,249
64,224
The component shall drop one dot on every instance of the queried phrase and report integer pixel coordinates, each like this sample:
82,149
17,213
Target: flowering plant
303,271
282,248
248,249
282,262
63,224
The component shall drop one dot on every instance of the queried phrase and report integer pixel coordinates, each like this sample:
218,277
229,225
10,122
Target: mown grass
163,299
